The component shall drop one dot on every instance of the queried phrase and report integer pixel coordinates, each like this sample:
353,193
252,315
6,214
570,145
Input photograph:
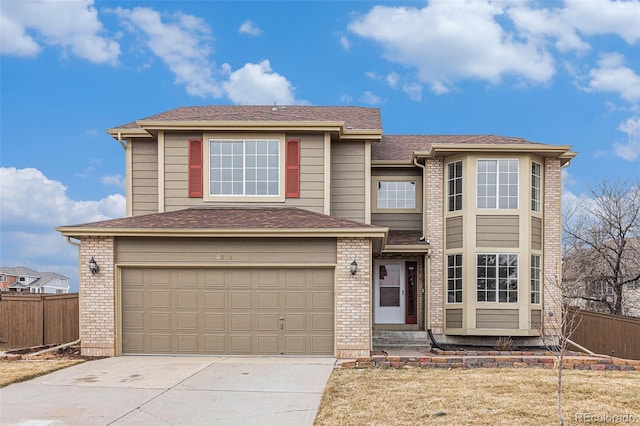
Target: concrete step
401,340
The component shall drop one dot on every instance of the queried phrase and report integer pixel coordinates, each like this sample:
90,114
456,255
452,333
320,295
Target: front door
390,289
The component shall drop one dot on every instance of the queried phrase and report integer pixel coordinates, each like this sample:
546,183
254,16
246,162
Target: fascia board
240,233
440,150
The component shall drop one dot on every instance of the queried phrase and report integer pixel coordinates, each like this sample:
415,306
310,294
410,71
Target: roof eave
563,152
194,233
408,248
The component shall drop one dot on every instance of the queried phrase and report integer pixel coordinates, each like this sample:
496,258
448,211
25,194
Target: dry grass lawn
18,371
474,396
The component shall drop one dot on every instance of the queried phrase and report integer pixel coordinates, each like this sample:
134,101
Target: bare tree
602,246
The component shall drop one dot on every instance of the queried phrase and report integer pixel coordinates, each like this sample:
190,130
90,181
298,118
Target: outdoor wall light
354,267
93,266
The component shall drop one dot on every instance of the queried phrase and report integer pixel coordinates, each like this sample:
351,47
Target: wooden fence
38,319
607,334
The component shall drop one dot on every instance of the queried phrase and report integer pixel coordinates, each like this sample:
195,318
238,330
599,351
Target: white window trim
497,290
539,209
206,175
497,207
539,280
448,179
374,192
461,278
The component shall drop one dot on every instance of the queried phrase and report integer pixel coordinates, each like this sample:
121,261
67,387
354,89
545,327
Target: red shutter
195,168
292,169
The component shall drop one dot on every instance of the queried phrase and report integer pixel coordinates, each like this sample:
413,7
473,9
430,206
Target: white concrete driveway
161,390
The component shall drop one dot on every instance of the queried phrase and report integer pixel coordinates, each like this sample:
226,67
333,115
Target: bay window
497,278
497,184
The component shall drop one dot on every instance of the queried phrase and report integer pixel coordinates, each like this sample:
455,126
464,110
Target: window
536,187
454,278
536,273
244,167
497,278
454,186
498,184
396,194
21,279
3,278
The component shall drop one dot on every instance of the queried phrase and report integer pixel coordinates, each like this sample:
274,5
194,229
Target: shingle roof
354,117
19,271
401,147
230,219
405,238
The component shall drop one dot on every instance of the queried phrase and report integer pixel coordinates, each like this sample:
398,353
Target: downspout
427,257
77,244
73,243
122,144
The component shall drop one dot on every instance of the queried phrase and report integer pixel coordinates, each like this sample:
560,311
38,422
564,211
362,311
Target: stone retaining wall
492,359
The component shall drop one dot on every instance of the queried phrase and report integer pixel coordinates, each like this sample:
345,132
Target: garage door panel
240,344
160,343
241,299
215,322
214,343
187,343
228,311
214,299
160,299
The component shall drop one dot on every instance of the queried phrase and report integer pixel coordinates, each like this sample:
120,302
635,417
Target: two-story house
19,279
303,229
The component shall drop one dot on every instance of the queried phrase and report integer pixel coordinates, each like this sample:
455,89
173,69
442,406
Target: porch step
387,339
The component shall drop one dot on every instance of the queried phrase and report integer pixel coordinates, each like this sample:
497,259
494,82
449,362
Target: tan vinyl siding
454,232
497,231
536,319
348,180
144,177
400,221
536,233
497,318
311,175
454,318
225,251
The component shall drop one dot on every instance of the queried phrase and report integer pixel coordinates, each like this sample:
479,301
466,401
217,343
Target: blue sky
557,72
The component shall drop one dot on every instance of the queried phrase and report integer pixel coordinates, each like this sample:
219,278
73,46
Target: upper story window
244,167
397,194
536,187
3,278
22,279
454,186
497,278
498,184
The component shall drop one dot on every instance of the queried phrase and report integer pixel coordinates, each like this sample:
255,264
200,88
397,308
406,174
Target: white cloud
451,41
392,79
631,149
250,28
71,25
414,91
182,42
258,84
32,206
370,99
613,76
115,180
596,17
344,42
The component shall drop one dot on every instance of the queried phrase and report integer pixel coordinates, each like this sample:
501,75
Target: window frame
456,279
497,185
208,138
375,180
454,179
536,279
536,202
497,290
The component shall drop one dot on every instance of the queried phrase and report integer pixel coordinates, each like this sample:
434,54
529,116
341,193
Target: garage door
227,311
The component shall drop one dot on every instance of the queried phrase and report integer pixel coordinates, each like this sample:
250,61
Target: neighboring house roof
353,117
225,221
18,271
46,278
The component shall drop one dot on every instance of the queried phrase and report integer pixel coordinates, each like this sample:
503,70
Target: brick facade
97,297
434,209
552,238
353,298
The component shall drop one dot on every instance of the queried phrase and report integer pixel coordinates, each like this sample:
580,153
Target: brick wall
353,298
552,251
97,297
434,209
